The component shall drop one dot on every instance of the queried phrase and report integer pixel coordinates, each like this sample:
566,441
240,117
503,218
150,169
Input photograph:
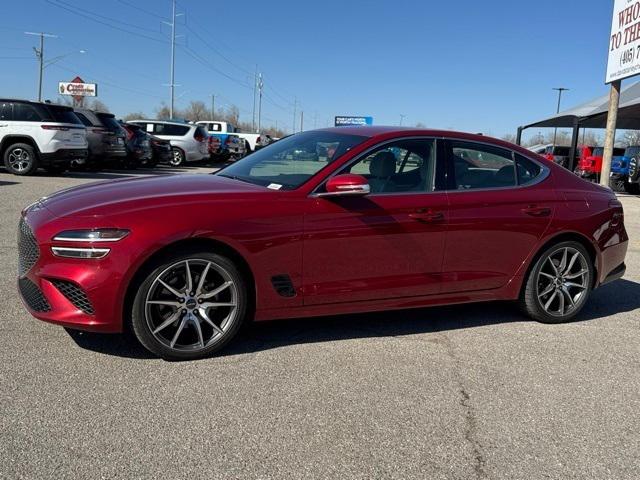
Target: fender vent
283,285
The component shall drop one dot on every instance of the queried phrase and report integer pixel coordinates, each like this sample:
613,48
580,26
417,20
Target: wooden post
610,135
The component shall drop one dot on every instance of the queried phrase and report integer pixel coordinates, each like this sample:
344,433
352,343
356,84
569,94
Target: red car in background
590,167
394,218
560,154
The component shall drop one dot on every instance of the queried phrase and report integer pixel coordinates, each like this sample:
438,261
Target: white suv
189,142
34,134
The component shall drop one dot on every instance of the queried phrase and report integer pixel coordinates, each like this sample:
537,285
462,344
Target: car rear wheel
21,159
618,183
189,306
177,158
559,283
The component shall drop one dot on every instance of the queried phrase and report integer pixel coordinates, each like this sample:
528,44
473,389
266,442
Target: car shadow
618,297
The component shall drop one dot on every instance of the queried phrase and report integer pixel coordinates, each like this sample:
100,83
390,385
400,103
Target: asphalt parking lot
458,392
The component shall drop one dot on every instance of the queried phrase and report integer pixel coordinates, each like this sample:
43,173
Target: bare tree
96,105
630,138
420,125
134,116
162,112
196,111
509,137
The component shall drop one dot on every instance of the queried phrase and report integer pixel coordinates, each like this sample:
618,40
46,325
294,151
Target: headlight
92,236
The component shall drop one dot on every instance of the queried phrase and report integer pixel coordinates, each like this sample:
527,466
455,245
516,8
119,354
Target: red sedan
342,220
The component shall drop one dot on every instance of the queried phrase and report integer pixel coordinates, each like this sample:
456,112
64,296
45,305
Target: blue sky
468,65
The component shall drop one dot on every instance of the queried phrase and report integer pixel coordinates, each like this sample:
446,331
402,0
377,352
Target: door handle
536,211
428,216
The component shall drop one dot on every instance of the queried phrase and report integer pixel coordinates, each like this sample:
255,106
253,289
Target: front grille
33,296
28,251
75,295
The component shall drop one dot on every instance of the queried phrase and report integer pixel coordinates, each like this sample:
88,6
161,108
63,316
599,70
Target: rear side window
23,112
528,171
109,121
479,166
85,121
63,115
170,129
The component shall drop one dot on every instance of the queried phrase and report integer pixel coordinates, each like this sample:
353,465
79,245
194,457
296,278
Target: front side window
288,163
480,166
6,111
402,166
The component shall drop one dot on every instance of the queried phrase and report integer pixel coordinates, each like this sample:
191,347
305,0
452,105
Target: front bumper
82,294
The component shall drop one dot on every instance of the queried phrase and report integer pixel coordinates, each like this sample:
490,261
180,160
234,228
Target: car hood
97,198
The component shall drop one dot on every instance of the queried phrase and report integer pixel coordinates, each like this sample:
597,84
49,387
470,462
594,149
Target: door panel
492,230
375,247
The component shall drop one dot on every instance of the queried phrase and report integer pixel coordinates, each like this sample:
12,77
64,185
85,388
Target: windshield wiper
235,177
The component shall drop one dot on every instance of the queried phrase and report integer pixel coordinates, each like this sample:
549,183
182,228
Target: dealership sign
78,88
347,120
624,42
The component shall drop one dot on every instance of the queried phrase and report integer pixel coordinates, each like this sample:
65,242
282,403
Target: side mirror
347,184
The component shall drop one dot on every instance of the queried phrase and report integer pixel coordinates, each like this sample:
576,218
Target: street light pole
40,57
213,103
555,130
402,117
260,85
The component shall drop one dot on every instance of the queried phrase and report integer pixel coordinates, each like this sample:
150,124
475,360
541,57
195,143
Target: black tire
21,159
144,316
632,188
618,183
177,158
530,302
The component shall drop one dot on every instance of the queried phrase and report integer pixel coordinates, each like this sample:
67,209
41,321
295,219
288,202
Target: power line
115,27
148,12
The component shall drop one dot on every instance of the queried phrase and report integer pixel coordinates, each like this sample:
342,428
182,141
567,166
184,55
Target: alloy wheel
19,160
176,159
563,281
191,305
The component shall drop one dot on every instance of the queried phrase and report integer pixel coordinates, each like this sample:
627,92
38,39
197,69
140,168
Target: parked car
234,146
34,134
188,141
161,150
540,149
216,150
252,141
105,135
590,167
185,260
625,174
138,144
560,154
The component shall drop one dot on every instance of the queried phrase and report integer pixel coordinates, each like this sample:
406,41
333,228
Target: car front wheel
559,283
177,157
189,306
21,159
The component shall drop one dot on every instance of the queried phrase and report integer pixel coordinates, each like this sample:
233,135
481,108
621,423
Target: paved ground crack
471,424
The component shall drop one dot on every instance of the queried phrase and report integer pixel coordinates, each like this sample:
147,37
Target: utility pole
255,85
301,120
40,57
295,104
555,130
173,57
260,85
402,117
610,134
213,104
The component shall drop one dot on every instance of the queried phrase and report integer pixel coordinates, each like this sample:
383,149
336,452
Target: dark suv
105,135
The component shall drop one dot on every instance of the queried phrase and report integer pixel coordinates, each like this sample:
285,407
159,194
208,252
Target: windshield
290,162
